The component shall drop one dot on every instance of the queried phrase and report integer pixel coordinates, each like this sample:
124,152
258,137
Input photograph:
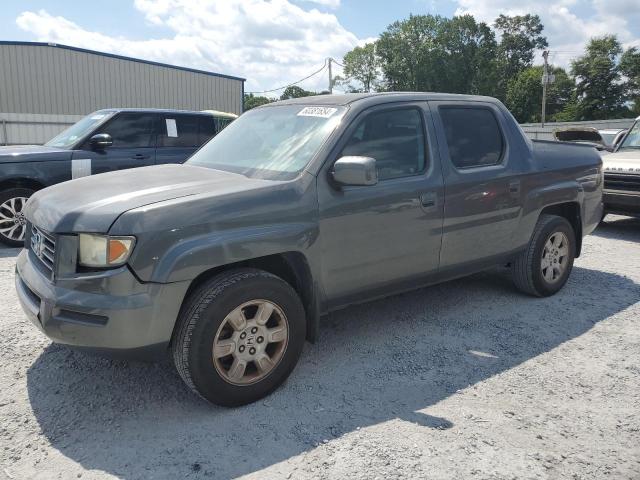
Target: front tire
13,224
239,336
544,267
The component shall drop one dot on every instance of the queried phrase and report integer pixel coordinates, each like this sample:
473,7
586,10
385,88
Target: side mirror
355,171
100,141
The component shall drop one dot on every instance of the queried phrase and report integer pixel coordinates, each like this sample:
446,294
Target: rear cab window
474,137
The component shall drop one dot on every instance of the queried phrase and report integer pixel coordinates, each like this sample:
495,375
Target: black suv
104,141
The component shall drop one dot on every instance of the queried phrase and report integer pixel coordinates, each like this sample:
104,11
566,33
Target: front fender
187,259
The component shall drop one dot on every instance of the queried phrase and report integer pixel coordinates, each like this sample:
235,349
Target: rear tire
239,336
544,267
13,225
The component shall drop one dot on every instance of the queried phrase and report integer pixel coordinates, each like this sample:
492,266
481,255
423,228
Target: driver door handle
428,199
140,156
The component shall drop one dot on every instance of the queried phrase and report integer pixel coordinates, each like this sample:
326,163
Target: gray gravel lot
466,379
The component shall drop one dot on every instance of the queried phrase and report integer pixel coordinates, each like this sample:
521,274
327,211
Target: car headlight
103,250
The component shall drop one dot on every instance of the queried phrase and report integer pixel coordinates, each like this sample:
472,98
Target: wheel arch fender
564,199
21,182
283,250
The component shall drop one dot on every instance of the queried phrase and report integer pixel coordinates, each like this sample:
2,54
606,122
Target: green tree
570,111
294,91
433,53
630,68
466,51
599,86
252,101
363,65
407,52
520,37
524,94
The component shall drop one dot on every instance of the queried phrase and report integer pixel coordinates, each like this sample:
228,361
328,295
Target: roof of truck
348,98
169,111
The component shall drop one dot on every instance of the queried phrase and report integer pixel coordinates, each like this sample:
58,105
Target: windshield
632,140
271,143
608,138
79,129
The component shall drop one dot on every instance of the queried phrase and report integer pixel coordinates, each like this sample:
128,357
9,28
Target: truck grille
43,245
621,181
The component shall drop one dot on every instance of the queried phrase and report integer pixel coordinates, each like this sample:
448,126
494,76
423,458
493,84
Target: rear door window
179,131
207,128
473,136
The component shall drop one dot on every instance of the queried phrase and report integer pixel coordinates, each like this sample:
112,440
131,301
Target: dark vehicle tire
13,225
239,336
544,267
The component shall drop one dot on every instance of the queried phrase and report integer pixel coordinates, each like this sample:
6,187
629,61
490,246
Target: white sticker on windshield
99,116
172,129
323,112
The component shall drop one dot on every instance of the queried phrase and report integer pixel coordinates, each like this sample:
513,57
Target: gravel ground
464,379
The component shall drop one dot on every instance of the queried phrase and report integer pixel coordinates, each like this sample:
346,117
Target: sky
272,43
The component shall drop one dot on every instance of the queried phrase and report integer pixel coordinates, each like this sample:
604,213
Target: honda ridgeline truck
296,209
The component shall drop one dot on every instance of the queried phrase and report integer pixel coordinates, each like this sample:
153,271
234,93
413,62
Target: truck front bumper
108,312
625,203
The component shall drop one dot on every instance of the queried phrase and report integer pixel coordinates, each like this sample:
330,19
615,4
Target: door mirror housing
352,170
100,141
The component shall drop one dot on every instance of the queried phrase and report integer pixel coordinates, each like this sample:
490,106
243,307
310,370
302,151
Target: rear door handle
140,156
428,199
514,187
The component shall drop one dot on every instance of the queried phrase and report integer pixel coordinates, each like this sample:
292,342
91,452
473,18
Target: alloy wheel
250,342
555,257
13,224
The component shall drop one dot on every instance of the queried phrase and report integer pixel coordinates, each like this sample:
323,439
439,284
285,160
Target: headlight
103,250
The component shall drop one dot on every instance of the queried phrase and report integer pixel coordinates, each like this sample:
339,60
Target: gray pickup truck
294,210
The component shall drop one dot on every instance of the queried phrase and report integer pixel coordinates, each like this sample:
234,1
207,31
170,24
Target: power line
324,65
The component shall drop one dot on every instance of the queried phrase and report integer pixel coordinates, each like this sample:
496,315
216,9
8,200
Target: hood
589,135
623,161
32,153
92,204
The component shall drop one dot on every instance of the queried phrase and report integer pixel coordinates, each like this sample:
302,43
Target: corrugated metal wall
44,79
32,128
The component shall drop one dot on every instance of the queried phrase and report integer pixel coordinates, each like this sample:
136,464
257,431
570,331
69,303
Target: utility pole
545,81
330,77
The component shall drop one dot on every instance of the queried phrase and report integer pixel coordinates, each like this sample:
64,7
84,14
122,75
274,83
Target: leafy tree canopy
521,36
524,94
434,53
295,92
363,65
630,68
600,90
252,101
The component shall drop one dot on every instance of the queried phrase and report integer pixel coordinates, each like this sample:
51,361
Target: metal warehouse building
45,87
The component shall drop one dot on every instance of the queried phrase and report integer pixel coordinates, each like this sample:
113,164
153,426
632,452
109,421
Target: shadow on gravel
388,359
619,228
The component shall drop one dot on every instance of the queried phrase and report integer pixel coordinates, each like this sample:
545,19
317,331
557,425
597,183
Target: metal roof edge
120,57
